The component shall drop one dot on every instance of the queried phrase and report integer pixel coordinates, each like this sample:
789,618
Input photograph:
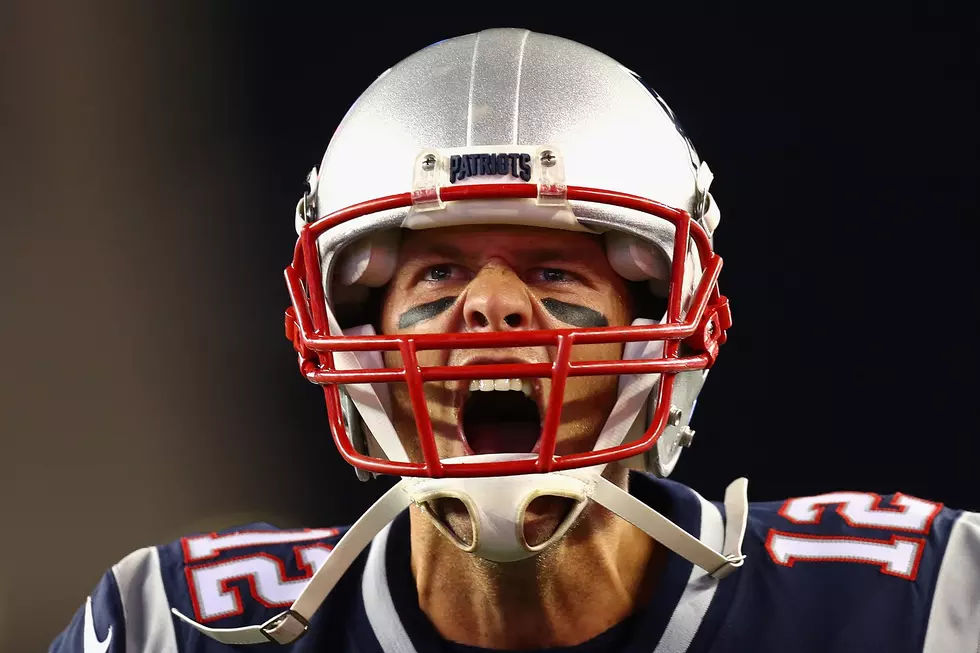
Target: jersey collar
390,612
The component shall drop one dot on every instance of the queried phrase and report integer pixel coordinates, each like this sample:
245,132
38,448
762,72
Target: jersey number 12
897,556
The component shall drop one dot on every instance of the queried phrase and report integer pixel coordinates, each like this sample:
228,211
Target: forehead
518,241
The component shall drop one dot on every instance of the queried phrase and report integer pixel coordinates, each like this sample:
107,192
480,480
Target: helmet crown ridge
504,87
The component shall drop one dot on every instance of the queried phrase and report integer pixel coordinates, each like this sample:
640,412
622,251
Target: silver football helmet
507,127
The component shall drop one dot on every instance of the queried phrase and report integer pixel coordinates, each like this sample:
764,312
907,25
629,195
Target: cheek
619,310
599,388
609,351
389,313
400,400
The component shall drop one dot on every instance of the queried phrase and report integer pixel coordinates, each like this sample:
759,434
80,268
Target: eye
444,272
552,275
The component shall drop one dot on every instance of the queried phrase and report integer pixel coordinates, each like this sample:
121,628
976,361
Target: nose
496,300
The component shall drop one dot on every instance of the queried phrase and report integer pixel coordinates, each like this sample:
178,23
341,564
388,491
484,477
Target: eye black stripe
574,314
424,312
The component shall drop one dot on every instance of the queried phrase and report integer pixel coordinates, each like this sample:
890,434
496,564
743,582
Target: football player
506,285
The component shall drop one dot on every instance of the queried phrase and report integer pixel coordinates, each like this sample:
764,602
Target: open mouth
500,416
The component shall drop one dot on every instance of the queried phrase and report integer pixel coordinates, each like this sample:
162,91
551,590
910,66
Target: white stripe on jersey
146,611
378,604
690,610
954,619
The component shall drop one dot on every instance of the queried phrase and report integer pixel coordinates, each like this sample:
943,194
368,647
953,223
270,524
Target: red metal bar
341,439
356,210
490,339
512,370
642,366
677,272
556,401
300,307
310,310
708,285
311,263
391,375
413,375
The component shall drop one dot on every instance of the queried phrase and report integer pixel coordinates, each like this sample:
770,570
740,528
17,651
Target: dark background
152,158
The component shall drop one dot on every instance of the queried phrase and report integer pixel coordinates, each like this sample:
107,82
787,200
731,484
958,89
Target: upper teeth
488,385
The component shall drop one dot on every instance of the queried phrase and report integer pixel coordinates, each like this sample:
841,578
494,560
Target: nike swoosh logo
92,643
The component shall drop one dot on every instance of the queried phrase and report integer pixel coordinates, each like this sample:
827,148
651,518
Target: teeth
502,385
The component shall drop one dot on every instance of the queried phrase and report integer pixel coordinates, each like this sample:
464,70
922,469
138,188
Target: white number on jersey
210,584
862,509
203,547
897,556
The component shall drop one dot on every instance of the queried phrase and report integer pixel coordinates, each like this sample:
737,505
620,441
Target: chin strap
675,538
290,625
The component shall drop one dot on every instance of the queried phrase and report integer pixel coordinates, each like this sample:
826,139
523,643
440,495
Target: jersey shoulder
240,576
895,534
864,566
235,577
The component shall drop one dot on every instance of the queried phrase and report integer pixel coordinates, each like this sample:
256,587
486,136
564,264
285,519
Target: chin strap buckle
285,628
732,562
711,333
736,518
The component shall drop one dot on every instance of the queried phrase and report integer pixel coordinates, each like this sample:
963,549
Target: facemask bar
703,331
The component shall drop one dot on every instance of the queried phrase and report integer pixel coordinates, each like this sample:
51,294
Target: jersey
844,571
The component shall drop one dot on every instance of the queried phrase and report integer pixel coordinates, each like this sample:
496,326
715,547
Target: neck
545,601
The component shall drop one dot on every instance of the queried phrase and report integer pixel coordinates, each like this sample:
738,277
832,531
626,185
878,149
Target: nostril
480,319
513,320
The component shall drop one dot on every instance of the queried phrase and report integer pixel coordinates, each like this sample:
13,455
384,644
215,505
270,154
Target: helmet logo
514,164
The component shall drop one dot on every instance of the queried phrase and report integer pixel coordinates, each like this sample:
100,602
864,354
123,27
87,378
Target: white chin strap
497,505
288,626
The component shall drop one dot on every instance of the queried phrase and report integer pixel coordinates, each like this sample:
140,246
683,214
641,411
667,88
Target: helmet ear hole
635,259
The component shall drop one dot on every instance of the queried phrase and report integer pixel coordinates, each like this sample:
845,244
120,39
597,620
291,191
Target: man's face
487,278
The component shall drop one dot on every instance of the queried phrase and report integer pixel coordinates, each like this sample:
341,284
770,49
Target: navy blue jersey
845,571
